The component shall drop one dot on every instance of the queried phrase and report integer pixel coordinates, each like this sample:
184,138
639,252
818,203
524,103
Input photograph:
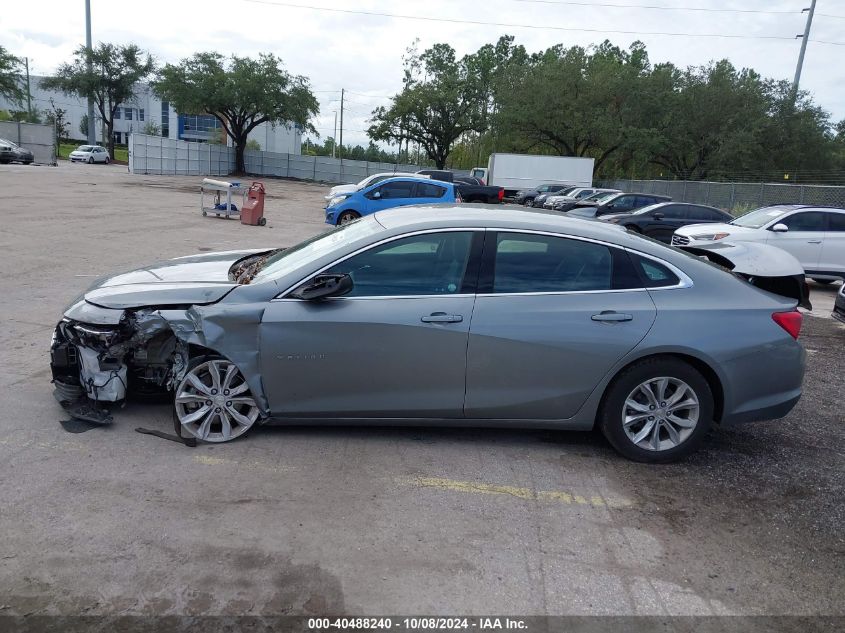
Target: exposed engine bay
101,363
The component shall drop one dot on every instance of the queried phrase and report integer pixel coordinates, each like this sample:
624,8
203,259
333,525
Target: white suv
814,235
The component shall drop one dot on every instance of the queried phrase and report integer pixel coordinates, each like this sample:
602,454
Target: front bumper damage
99,356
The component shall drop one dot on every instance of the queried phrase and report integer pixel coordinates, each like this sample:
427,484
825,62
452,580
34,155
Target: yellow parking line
559,496
257,464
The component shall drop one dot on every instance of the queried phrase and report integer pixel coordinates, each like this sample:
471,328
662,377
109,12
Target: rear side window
400,189
674,212
654,274
836,222
428,190
542,263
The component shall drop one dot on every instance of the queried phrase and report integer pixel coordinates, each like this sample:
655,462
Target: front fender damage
148,352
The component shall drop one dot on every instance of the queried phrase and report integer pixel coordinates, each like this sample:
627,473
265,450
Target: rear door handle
442,317
612,316
814,241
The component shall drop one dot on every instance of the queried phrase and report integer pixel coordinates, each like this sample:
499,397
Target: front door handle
442,317
814,241
612,316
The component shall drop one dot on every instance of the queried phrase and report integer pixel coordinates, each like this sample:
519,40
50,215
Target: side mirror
323,287
780,227
376,195
658,216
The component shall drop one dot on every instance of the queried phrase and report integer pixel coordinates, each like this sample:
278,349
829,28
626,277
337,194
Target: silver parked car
90,154
443,315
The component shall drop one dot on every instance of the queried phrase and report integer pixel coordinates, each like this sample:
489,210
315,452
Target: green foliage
253,145
58,117
442,99
20,115
115,71
152,128
634,118
10,77
240,92
83,125
371,153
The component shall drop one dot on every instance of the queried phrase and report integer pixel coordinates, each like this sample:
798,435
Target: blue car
393,192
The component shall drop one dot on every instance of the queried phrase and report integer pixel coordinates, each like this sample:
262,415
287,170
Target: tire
107,161
90,160
823,281
529,202
682,381
346,217
262,221
213,414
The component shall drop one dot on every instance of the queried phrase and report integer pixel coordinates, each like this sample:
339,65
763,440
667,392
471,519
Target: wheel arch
705,369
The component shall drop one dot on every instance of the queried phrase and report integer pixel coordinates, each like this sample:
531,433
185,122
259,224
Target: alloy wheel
213,402
660,413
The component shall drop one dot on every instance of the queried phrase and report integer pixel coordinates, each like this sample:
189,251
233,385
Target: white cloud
363,53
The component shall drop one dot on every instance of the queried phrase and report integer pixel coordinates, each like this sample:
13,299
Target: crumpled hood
195,279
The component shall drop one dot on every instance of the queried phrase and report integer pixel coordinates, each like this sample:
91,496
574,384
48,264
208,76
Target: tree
10,77
442,99
152,128
241,93
58,117
83,125
115,71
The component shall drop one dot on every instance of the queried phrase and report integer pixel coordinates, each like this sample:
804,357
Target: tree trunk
110,131
240,147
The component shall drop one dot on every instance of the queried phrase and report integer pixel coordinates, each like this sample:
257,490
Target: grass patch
121,152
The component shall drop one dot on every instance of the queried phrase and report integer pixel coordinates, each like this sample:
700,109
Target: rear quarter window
653,273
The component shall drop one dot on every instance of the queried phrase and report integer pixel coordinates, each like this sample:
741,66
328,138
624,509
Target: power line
655,7
529,26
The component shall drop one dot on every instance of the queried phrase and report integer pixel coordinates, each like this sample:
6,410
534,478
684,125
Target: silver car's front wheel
660,413
213,402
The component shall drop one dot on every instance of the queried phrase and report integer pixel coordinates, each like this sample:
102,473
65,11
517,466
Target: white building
145,112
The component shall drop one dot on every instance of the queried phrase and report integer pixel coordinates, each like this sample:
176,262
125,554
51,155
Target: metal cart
222,205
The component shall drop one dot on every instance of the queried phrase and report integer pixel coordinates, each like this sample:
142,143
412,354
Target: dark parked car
13,153
540,199
661,220
526,196
474,190
619,203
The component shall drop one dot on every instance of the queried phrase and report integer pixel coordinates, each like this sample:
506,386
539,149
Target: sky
363,52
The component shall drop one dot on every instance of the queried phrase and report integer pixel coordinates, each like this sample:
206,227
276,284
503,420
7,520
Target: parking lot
373,520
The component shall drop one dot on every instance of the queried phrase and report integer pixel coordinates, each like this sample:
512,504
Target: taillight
789,321
501,194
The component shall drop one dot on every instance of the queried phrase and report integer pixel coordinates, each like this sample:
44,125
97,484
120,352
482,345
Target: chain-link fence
735,195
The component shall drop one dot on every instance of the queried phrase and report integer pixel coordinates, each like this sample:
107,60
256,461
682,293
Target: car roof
414,179
448,215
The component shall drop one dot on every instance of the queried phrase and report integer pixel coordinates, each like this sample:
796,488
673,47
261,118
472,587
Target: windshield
84,148
756,219
601,195
290,259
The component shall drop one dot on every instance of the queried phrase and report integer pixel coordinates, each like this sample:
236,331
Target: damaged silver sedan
447,315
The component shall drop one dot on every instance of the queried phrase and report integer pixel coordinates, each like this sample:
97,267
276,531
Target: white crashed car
369,180
815,236
90,154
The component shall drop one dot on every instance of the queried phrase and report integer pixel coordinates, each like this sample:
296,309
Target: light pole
91,137
334,136
804,39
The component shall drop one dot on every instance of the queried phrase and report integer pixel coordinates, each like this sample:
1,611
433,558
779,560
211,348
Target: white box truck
513,172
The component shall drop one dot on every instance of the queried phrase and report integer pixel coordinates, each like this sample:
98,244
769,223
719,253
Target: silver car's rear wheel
660,413
213,402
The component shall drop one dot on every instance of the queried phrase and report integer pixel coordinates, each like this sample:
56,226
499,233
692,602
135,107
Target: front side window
394,190
624,203
673,212
544,263
426,190
810,221
429,264
585,193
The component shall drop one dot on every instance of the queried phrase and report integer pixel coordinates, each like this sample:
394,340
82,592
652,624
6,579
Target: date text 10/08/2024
418,623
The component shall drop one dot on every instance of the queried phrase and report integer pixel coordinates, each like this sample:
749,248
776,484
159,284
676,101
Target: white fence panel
38,138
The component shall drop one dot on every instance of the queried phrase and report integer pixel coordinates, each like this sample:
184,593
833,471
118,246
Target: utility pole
340,151
28,91
91,135
804,39
334,136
